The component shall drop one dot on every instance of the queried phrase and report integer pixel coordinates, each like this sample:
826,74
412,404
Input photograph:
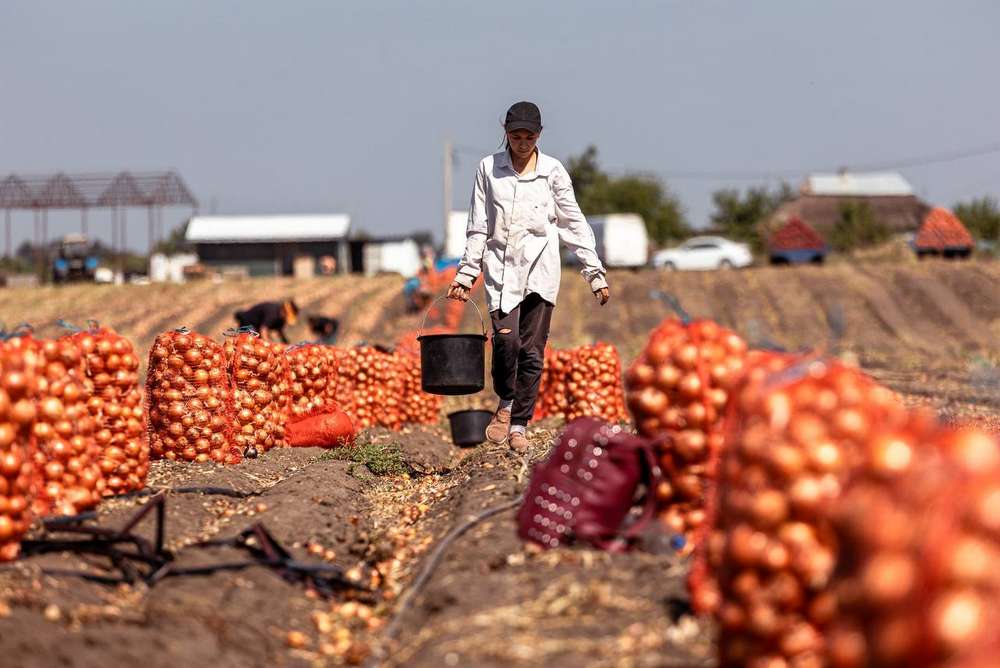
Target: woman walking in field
523,206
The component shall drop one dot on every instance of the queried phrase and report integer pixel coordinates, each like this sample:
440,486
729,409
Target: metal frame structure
115,191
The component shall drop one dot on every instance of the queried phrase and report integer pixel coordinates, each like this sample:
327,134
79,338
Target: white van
621,240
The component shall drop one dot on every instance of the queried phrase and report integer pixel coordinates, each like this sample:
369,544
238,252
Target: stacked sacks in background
677,390
942,231
919,540
66,455
261,384
19,480
112,367
190,400
793,441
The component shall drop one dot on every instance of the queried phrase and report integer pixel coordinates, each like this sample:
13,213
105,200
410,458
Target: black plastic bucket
468,428
452,364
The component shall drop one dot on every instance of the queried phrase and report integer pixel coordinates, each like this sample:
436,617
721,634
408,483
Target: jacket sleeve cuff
465,280
598,283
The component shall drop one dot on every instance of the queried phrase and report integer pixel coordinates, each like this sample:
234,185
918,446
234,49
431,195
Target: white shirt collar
543,165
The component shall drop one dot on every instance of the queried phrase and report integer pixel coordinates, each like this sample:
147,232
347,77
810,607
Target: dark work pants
519,353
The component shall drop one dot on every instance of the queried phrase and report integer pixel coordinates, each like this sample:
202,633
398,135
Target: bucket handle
423,324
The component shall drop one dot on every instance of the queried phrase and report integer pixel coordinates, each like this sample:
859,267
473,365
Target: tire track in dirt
765,324
745,306
787,308
884,306
939,302
973,285
862,327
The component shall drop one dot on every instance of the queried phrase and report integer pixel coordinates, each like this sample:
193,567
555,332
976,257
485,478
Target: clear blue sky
343,106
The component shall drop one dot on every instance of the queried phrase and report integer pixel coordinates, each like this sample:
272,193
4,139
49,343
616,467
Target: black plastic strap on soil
133,558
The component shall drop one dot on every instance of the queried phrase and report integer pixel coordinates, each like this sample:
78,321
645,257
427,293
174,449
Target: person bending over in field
523,206
269,318
324,328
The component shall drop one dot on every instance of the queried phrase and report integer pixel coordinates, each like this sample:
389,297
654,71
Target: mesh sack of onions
377,388
702,585
190,400
116,403
285,376
67,455
418,407
313,379
919,533
594,384
259,382
18,476
553,396
677,390
348,368
794,439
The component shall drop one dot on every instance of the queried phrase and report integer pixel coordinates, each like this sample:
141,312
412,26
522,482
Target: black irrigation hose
432,562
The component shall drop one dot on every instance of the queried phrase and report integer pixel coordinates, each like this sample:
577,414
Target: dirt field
928,330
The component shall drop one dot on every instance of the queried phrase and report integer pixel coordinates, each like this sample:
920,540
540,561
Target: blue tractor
74,260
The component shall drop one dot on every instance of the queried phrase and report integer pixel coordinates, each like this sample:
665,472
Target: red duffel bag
586,488
323,430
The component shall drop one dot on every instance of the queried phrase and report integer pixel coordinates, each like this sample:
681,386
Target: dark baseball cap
523,116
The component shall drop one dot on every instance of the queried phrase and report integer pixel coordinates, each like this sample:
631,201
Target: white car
704,253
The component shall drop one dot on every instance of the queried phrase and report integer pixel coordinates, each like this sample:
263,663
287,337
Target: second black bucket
468,428
452,364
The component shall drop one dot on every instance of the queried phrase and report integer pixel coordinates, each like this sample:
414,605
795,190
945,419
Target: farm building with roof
822,196
278,245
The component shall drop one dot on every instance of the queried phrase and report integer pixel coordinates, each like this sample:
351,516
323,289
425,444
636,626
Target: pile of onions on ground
582,382
66,456
919,534
190,400
374,379
793,442
677,390
116,403
313,377
259,382
418,407
18,481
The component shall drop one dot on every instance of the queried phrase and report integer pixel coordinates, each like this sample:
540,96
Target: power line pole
447,189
